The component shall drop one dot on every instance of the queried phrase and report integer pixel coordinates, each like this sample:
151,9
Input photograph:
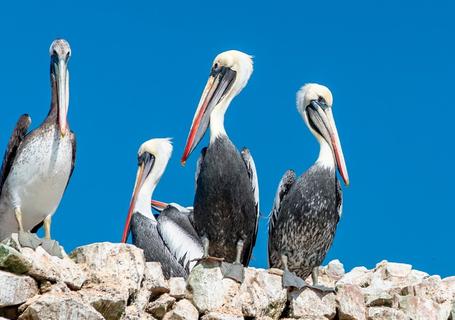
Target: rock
310,304
222,316
433,288
449,285
160,306
52,307
423,308
184,310
54,269
335,269
154,280
133,313
177,287
260,295
110,302
351,304
377,298
358,276
385,313
121,264
209,289
16,289
12,260
401,270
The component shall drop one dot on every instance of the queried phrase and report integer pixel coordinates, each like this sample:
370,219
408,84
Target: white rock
335,269
110,302
54,269
160,306
351,304
60,307
385,313
177,287
261,295
16,289
433,288
418,308
358,276
309,304
133,313
121,264
401,270
209,289
222,316
184,310
449,284
154,280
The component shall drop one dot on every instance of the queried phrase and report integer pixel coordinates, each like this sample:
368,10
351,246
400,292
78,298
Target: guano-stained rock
351,304
16,289
310,304
183,310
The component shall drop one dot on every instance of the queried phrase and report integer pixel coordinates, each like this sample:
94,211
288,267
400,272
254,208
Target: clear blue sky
138,69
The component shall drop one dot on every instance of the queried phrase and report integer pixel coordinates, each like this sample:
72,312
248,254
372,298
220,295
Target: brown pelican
37,166
307,209
226,204
170,239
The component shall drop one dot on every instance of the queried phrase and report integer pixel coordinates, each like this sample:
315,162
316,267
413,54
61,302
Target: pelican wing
177,231
73,159
18,135
251,168
286,183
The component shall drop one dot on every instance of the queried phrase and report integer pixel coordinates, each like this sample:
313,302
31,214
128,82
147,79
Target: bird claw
233,271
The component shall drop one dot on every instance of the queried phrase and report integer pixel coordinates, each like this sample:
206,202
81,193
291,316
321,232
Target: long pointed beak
158,205
329,132
62,76
137,186
217,86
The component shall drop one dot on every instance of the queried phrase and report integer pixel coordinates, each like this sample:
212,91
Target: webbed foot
29,240
234,271
291,280
52,247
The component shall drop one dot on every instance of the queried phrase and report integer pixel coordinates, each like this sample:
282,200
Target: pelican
37,166
170,239
226,204
306,209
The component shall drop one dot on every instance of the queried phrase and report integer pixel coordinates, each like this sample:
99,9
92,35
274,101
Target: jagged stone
377,298
359,276
311,304
110,302
13,261
54,306
433,288
177,287
385,313
222,316
183,310
351,304
209,289
120,264
154,280
133,313
16,289
160,306
329,275
54,269
424,308
260,295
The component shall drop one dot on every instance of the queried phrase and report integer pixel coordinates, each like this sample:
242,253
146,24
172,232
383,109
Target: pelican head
153,156
229,75
60,53
314,103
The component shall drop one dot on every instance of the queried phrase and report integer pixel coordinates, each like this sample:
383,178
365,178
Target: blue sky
138,69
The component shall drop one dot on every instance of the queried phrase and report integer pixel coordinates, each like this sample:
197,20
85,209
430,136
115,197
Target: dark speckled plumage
225,209
304,219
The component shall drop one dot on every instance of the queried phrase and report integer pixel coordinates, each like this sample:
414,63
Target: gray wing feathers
286,183
18,135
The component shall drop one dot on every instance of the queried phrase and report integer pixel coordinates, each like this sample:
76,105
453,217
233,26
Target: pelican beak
61,75
158,205
219,83
146,162
322,121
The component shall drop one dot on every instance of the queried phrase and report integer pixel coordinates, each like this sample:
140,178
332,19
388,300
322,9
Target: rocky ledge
113,281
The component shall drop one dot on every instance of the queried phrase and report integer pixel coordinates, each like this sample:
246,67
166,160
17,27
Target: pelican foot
322,289
291,280
29,240
234,271
52,247
209,259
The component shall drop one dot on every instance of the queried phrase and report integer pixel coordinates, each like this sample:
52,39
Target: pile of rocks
113,281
